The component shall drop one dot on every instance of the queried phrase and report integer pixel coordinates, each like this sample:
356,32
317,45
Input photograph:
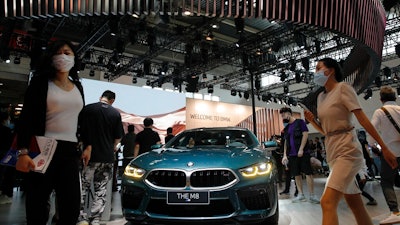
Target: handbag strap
391,119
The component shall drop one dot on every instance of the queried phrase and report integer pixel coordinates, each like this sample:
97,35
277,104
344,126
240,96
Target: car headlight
257,170
135,172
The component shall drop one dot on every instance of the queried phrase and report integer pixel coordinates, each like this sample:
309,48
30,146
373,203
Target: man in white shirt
391,137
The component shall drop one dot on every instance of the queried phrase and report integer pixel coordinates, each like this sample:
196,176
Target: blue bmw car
205,175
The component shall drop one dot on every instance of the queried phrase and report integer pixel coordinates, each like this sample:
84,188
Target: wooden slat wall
269,122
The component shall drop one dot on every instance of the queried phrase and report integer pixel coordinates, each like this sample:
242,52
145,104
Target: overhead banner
201,113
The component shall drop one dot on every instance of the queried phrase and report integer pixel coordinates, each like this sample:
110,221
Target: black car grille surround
256,197
215,208
211,178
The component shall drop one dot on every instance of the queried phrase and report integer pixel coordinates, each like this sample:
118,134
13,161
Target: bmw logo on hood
190,164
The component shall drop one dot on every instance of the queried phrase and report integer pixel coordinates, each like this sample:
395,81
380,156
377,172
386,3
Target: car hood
200,158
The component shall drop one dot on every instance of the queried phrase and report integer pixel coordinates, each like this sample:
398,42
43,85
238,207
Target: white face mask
320,78
63,63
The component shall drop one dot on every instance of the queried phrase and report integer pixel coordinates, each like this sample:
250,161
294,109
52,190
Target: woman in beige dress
336,106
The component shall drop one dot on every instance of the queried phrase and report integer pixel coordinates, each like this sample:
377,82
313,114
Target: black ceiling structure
235,41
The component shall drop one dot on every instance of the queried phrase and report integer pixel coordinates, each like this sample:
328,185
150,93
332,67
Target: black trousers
62,175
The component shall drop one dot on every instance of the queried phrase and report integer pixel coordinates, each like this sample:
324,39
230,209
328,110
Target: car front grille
167,178
210,178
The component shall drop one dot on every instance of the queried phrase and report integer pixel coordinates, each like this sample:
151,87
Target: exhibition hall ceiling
193,53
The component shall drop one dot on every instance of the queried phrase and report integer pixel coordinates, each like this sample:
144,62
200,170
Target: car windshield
214,138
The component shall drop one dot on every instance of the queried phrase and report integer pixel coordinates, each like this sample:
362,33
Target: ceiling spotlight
134,80
17,60
292,101
397,50
233,92
106,75
306,63
100,60
204,76
276,46
210,89
378,81
299,38
210,36
387,72
258,51
292,65
148,82
317,46
246,95
297,77
286,89
283,75
240,94
239,24
241,41
91,73
264,98
368,94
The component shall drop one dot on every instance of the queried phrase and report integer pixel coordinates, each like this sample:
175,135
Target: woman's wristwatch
23,151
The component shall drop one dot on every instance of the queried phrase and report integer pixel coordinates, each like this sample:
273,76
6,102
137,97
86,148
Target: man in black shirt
169,134
102,125
128,141
146,138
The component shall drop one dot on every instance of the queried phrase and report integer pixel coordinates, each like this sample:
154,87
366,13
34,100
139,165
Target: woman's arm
311,119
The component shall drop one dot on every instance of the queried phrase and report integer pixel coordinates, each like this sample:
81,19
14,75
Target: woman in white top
336,105
53,101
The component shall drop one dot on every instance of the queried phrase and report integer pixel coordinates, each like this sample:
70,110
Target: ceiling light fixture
246,95
397,50
17,60
368,94
378,81
210,89
210,36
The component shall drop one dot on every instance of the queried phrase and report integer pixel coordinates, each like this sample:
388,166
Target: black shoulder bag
391,119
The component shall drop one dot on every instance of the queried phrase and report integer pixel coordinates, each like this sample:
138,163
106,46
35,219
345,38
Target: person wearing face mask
296,153
335,107
52,103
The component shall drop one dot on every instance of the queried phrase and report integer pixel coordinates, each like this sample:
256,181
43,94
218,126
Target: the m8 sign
188,197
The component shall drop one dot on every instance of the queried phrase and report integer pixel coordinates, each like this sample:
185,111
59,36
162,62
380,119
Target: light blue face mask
320,78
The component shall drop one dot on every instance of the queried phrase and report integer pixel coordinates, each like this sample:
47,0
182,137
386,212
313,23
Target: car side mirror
156,146
269,144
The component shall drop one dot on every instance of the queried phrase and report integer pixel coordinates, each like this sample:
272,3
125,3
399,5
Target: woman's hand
309,116
24,163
